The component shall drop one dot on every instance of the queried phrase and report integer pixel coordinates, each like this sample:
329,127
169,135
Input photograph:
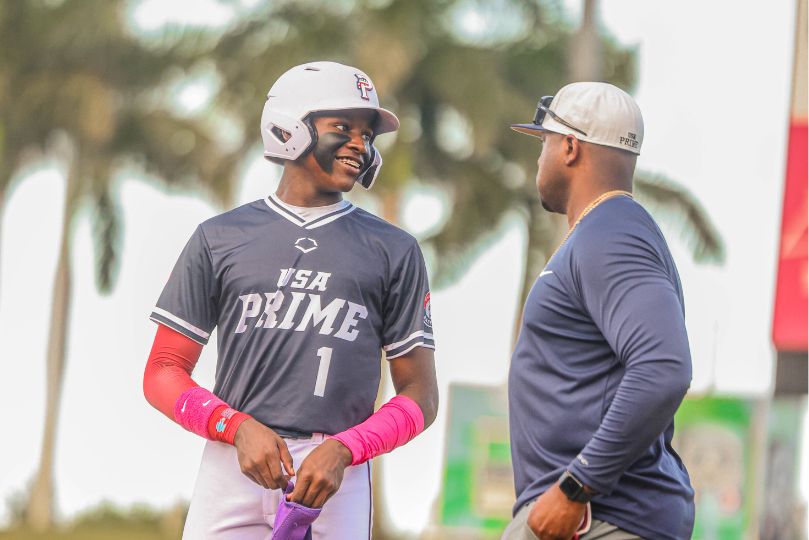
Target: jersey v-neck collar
341,209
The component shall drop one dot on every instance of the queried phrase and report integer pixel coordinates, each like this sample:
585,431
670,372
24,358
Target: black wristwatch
573,489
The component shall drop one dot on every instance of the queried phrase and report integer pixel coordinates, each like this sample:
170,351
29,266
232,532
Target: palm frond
180,152
676,206
449,263
479,208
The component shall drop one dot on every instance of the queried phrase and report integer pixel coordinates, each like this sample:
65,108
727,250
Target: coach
602,361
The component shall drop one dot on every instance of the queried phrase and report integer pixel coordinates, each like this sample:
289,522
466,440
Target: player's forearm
395,424
414,377
426,397
168,387
168,369
641,410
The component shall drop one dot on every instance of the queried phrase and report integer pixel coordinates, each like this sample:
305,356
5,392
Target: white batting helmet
314,87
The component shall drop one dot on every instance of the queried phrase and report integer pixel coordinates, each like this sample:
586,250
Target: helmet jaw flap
367,178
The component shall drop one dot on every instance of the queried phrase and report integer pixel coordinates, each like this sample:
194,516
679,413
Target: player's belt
291,433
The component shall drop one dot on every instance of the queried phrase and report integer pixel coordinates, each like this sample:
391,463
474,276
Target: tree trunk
3,187
6,172
41,509
545,231
585,63
382,527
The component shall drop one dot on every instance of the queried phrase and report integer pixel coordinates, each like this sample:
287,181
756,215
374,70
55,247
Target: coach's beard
547,206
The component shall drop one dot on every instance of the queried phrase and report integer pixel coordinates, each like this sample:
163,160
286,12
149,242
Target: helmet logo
364,86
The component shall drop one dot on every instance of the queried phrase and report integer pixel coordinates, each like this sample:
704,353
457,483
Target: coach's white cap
596,112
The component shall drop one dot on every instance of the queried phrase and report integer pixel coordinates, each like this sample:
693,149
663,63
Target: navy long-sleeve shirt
600,367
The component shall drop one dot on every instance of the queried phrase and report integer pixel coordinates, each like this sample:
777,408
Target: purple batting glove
293,521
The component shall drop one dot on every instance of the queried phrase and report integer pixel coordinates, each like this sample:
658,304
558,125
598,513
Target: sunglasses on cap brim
543,108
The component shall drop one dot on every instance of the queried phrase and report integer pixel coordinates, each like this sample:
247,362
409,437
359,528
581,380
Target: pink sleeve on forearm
395,423
168,387
194,408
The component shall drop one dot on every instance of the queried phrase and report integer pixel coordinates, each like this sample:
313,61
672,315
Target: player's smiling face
342,150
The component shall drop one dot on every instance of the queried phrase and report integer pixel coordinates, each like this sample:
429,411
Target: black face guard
371,169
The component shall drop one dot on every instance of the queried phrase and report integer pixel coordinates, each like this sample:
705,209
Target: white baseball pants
226,505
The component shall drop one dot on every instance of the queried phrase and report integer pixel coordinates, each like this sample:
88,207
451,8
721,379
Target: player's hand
554,516
261,453
321,474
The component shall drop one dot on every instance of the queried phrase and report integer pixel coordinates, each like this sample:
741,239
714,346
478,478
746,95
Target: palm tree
590,55
94,93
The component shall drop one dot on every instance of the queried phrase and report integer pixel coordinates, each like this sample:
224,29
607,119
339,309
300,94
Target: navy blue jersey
303,310
601,365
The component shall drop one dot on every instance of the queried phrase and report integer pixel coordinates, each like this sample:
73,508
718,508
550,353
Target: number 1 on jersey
324,353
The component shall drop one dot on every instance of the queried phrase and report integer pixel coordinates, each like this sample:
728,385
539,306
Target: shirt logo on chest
306,244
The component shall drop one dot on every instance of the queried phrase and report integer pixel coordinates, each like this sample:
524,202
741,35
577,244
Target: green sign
782,503
714,438
478,489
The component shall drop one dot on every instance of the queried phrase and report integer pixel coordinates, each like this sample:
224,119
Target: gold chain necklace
587,209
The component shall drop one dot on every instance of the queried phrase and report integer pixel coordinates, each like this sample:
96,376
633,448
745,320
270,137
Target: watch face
572,488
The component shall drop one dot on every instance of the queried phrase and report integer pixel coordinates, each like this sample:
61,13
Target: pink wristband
193,410
395,423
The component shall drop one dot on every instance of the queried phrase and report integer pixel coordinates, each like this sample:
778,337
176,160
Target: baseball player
602,361
306,290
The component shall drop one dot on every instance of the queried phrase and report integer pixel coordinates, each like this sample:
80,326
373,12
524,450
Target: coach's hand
554,516
261,452
321,474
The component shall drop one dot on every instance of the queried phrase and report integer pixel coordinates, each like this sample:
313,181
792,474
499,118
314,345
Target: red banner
790,321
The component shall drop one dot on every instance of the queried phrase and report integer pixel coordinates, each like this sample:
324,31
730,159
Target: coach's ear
572,150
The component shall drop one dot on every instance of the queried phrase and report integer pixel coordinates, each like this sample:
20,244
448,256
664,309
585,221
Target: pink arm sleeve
396,423
169,388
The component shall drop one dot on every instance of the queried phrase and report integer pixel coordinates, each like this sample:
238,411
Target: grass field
87,533
108,522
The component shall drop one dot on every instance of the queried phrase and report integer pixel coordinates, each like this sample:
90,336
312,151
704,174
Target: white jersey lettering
286,274
289,318
316,315
301,277
347,330
269,317
313,314
251,306
319,282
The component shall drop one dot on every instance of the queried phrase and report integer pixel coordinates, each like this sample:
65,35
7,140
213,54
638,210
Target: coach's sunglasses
543,108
